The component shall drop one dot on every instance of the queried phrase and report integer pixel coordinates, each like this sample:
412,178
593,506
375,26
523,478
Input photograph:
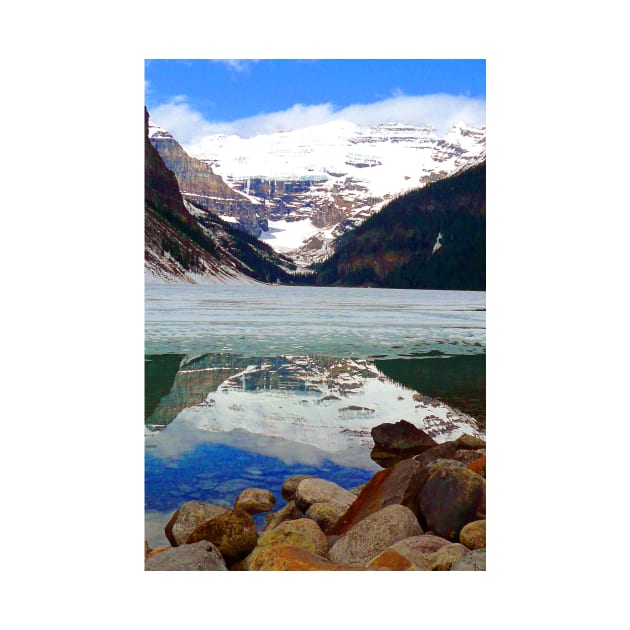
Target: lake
247,385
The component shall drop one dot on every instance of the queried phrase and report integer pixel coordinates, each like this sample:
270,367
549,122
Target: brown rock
466,456
401,556
394,442
451,498
469,441
473,535
444,558
233,533
325,515
291,558
374,534
445,450
478,466
255,501
287,513
303,532
398,485
187,517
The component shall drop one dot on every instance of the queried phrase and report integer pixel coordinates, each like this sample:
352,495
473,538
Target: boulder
315,490
233,533
473,535
325,515
444,558
478,466
187,517
394,442
472,561
374,534
401,556
469,442
291,558
255,501
398,485
466,456
446,450
287,513
302,532
451,498
290,486
199,556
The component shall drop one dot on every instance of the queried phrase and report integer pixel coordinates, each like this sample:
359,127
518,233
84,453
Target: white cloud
237,65
439,110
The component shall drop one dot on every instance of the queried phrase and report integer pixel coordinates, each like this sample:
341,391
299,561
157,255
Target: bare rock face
200,556
233,533
317,490
451,498
255,501
187,517
374,534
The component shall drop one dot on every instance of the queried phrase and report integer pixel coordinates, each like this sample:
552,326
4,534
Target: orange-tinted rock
291,558
302,532
478,466
401,556
154,552
398,485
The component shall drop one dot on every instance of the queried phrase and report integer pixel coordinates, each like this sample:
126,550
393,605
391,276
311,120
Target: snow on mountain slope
335,175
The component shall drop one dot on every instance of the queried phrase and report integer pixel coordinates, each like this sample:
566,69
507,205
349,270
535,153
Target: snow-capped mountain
313,184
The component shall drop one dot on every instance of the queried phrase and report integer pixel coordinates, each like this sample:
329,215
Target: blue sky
192,98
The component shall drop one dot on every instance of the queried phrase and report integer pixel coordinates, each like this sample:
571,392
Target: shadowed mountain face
431,238
185,243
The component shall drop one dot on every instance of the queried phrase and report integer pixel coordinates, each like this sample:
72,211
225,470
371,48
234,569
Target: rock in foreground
200,556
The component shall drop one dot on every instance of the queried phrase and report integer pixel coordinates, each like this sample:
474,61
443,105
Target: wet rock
398,485
473,535
290,486
472,561
394,442
255,501
374,534
451,498
200,556
233,533
315,490
444,558
287,513
325,515
291,558
187,517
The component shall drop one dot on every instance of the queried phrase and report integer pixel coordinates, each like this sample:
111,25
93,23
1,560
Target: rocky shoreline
425,511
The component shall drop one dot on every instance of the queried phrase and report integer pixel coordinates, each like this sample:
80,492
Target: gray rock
315,490
325,515
200,556
374,534
472,561
444,558
290,486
